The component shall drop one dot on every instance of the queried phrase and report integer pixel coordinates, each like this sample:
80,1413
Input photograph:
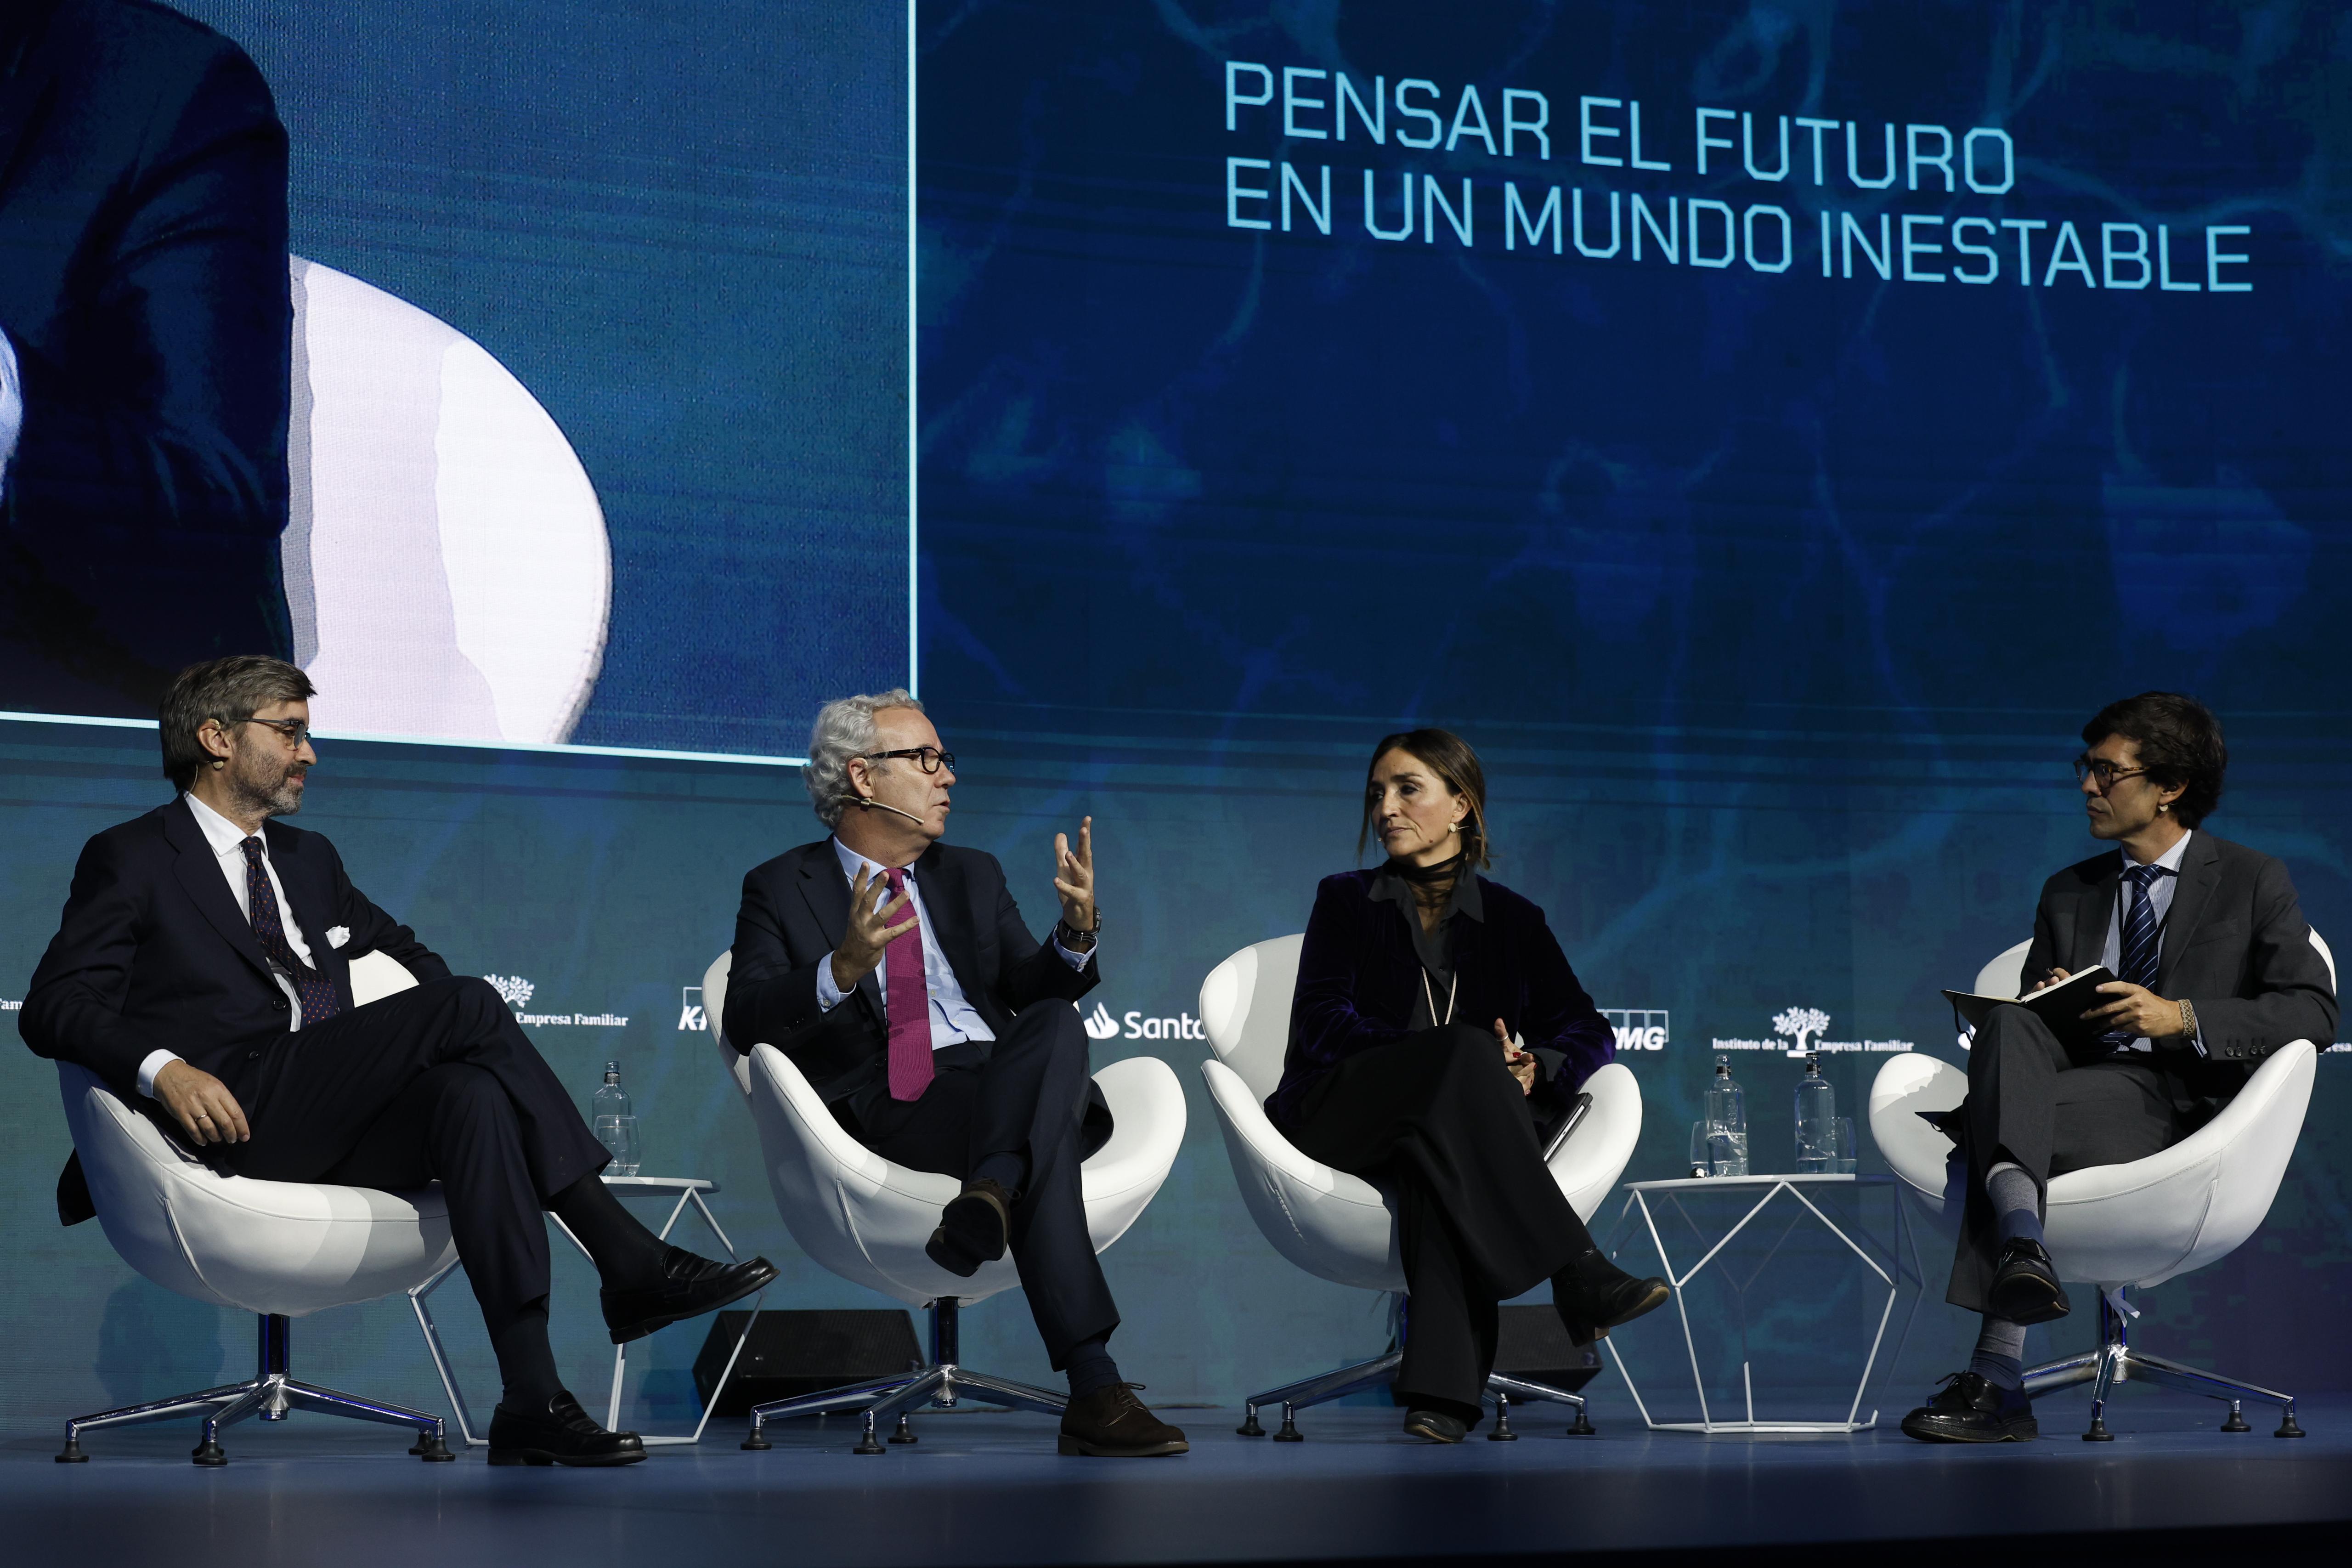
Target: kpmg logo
1101,1025
690,1018
1798,1032
1638,1028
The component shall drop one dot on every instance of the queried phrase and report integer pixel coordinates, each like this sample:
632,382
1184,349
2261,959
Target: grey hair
843,728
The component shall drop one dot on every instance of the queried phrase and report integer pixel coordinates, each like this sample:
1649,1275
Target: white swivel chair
278,1250
1337,1226
2123,1227
866,1219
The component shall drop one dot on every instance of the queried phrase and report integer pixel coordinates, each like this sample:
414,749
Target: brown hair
2179,743
227,689
1449,756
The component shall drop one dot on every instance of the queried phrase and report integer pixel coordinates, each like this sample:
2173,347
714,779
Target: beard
271,787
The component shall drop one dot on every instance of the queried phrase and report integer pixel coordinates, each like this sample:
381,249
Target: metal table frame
689,1190
1889,1269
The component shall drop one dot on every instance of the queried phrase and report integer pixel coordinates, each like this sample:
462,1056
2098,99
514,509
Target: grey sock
2016,1202
2000,1355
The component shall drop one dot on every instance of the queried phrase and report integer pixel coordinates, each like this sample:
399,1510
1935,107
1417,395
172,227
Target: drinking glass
1843,1156
619,1134
1701,1162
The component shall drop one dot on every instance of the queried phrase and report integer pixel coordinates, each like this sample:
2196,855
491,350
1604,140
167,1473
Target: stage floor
984,1487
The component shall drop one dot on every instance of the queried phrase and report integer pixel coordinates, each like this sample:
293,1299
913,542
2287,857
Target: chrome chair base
2117,1362
940,1384
1379,1372
272,1393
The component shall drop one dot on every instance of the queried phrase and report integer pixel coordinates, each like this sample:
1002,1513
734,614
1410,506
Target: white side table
1886,1263
688,1190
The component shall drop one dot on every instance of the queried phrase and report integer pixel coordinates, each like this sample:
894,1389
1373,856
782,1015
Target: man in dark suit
2217,970
204,967
896,972
145,309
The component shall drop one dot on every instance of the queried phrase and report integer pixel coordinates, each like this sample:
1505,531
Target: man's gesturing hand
1074,876
869,932
202,1104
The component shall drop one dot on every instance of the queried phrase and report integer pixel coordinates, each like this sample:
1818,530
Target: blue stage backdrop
1766,432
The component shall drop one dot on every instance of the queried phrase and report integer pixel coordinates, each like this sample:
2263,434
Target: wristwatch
1077,940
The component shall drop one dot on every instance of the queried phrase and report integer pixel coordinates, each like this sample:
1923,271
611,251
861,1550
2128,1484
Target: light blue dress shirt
953,1018
2159,898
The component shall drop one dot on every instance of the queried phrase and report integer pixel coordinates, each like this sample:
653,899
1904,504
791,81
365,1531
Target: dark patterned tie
2141,931
320,1001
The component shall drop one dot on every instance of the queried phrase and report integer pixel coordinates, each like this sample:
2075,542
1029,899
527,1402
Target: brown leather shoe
972,1230
1113,1423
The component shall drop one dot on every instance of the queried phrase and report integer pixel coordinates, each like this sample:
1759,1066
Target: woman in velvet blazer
1415,980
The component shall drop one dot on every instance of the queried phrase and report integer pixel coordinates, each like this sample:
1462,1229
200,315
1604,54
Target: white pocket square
337,935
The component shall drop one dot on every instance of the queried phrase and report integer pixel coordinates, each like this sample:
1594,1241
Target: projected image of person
896,972
1415,979
144,354
2216,970
204,964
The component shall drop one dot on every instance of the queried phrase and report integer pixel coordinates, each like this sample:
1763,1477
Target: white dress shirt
11,407
953,1018
227,841
2159,899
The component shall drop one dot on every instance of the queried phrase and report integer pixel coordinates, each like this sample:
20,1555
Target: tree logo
513,987
1799,1024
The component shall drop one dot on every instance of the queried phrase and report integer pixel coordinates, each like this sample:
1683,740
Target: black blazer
1359,976
796,911
143,284
152,952
2235,945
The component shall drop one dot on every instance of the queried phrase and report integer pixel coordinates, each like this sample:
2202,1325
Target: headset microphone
859,800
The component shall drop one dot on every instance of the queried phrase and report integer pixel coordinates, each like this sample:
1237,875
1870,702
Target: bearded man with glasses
203,969
2216,970
896,972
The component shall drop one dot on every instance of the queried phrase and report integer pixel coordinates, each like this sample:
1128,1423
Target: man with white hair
896,972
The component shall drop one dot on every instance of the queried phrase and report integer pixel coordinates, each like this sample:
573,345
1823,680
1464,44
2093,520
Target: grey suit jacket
2235,945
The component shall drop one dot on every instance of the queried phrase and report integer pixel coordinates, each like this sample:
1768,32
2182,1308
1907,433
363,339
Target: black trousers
1437,1120
1025,1093
2047,1109
437,1083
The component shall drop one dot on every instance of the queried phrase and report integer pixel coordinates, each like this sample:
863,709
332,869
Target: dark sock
626,1253
1090,1367
2016,1203
2000,1355
526,1361
1007,1170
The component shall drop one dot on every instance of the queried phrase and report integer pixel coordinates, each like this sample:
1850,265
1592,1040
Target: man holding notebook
2212,969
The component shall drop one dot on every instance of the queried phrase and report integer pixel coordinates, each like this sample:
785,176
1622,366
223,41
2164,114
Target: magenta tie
908,1001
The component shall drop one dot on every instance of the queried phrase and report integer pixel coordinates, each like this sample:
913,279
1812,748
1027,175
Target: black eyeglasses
2105,771
297,732
930,759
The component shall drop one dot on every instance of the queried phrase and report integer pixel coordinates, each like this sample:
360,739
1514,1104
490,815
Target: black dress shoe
1593,1296
973,1229
1113,1423
2025,1287
688,1287
1970,1409
1434,1426
562,1433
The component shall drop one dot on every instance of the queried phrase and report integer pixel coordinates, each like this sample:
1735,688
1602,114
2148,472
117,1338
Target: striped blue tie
2141,932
